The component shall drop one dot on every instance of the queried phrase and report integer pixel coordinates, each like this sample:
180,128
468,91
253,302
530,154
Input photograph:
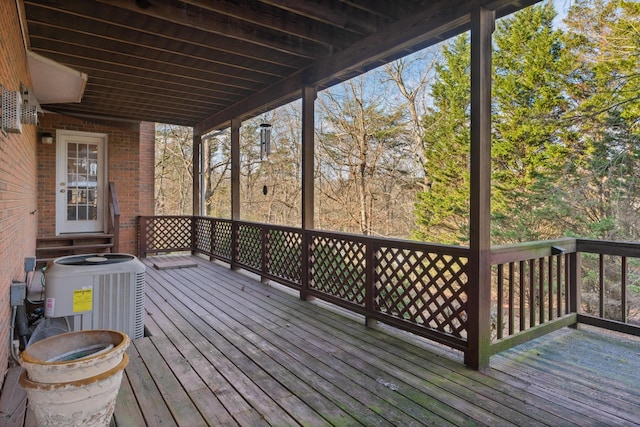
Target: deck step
85,236
49,248
91,247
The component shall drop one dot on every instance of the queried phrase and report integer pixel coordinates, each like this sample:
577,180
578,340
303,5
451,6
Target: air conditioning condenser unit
97,291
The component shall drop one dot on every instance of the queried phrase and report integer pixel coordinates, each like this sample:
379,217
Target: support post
575,286
235,189
479,291
308,168
197,144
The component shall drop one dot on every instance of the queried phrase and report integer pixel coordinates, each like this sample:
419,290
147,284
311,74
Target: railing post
575,286
370,283
305,274
623,289
235,189
142,237
193,235
308,169
265,254
212,238
235,230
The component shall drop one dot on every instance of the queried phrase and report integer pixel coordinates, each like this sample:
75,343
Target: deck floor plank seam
194,350
151,402
238,383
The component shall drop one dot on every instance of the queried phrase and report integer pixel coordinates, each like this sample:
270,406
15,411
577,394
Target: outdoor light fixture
265,140
46,138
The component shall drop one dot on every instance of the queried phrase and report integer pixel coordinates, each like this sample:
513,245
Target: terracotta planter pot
58,359
73,379
89,402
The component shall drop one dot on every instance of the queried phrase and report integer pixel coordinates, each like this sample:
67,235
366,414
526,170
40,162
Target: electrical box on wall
11,111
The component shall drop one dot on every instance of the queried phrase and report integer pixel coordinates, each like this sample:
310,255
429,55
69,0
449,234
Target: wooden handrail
114,217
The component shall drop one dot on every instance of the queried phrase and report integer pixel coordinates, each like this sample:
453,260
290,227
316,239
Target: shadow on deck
227,350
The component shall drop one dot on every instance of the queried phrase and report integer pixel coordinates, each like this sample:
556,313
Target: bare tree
173,172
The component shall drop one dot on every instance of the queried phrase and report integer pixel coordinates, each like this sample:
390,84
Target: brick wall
130,150
17,177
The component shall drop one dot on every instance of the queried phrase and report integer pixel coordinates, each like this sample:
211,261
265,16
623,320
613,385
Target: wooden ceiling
202,62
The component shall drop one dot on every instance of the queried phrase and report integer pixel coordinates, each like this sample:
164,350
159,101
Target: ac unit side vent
139,304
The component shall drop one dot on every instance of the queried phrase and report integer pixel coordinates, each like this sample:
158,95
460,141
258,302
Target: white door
81,182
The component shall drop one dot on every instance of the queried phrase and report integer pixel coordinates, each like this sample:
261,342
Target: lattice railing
536,287
249,244
284,255
424,287
161,234
222,245
418,287
203,235
337,267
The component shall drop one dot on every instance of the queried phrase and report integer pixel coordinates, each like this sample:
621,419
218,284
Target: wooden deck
228,350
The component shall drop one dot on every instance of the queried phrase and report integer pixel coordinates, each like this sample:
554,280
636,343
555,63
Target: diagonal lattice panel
250,245
338,268
221,245
203,237
284,254
425,288
168,233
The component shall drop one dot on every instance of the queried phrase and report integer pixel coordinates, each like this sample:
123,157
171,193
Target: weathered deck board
227,350
295,362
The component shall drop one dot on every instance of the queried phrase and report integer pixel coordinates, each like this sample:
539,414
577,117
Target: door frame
61,156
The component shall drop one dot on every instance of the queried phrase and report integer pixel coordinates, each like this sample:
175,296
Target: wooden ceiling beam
277,19
423,27
387,9
162,65
194,58
214,23
141,31
333,12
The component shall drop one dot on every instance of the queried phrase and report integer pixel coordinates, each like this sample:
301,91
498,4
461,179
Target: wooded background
392,146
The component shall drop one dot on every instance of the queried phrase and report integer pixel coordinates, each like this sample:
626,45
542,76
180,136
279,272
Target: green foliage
441,211
528,148
604,41
565,128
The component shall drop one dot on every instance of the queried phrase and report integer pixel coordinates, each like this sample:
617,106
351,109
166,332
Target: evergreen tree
442,210
604,40
528,149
